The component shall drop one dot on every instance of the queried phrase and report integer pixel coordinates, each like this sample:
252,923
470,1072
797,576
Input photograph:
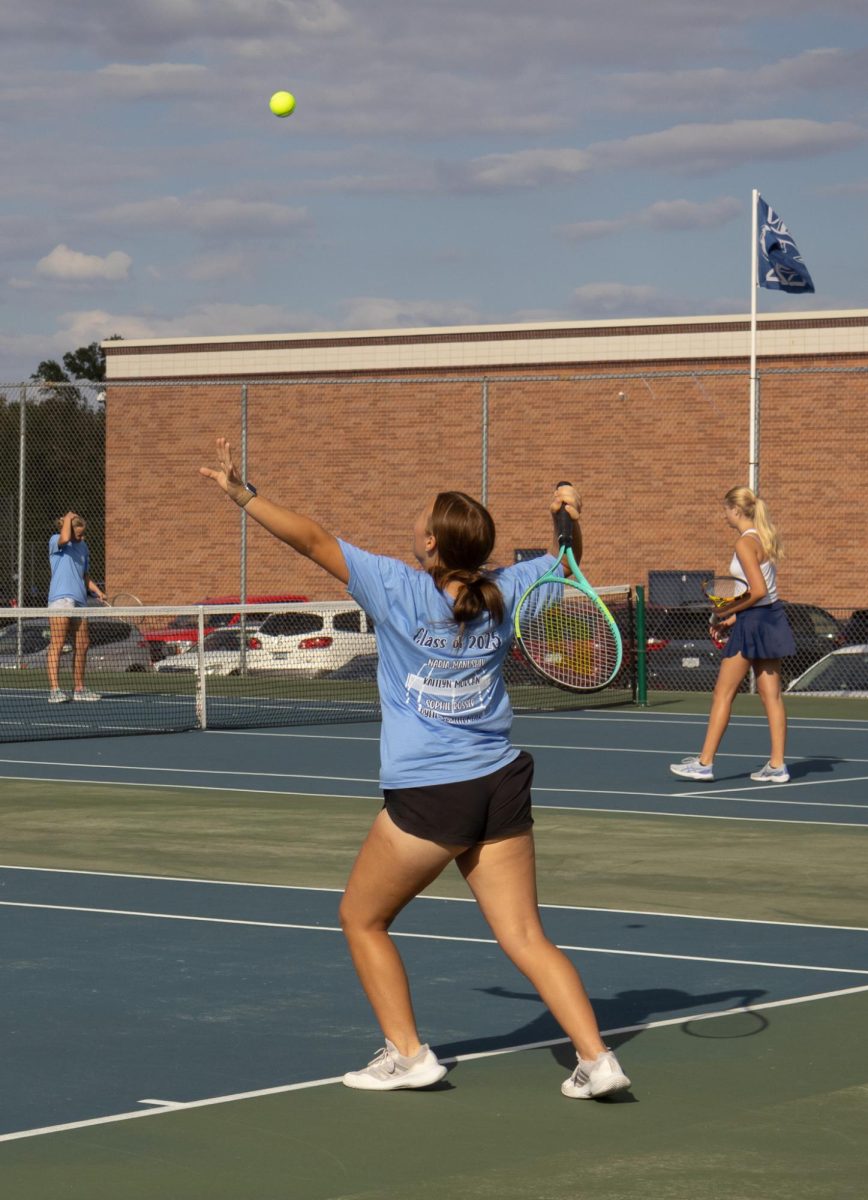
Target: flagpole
753,450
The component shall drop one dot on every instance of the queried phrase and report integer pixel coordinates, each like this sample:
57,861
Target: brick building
358,429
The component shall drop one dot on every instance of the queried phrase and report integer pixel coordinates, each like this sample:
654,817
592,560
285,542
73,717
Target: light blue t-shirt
446,713
69,567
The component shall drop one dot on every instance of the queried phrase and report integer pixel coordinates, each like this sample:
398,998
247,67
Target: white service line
424,896
312,1083
426,937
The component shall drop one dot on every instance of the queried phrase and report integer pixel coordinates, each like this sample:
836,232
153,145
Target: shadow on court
632,1007
807,767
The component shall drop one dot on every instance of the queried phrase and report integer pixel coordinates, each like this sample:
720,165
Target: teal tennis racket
563,628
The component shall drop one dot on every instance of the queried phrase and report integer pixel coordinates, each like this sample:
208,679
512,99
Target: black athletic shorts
467,812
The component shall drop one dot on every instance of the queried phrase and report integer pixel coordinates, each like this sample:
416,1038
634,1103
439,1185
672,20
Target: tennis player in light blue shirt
446,712
69,558
455,788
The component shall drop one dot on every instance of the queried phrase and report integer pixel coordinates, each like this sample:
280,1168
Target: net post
201,698
641,663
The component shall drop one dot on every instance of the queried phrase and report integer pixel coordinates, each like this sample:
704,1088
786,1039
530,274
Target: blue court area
594,761
125,995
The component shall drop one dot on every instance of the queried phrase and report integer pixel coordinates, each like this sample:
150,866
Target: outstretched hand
226,476
567,497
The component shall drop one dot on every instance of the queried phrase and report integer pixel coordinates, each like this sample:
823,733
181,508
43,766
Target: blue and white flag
779,264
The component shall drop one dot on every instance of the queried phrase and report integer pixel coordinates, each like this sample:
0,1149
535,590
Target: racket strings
570,640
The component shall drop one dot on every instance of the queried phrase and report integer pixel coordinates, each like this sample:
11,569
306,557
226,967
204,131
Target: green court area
747,870
728,1115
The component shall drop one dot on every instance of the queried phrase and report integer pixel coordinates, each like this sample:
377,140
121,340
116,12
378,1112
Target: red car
183,632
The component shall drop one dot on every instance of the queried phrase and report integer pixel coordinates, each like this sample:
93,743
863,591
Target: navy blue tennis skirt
762,631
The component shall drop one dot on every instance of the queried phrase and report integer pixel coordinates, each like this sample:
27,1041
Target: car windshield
684,624
223,639
837,673
290,624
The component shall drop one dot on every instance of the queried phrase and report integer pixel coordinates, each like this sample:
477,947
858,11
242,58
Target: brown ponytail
465,536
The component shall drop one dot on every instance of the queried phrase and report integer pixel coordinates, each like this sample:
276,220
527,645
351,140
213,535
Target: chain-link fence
653,453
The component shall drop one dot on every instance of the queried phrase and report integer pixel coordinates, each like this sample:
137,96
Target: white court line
699,793
779,786
180,1106
426,937
742,720
560,791
656,812
561,808
294,887
341,737
36,762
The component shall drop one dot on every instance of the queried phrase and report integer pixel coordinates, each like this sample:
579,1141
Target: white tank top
770,575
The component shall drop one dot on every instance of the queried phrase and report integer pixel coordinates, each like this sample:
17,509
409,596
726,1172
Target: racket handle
563,523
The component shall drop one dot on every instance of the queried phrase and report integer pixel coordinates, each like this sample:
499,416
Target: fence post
22,461
484,496
641,661
242,585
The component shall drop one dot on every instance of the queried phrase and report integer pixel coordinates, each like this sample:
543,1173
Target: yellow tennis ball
282,103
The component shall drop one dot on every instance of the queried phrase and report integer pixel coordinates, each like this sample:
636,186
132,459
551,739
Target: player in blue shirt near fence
455,787
69,558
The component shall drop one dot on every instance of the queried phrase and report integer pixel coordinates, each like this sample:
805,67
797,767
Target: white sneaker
770,774
56,696
389,1070
86,694
692,768
598,1077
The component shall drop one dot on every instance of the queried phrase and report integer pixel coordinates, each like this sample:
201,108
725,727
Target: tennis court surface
178,1004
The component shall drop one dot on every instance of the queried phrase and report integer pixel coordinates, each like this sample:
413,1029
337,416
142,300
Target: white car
221,655
315,640
844,673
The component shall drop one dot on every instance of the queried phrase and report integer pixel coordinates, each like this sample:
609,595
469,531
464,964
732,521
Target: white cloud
196,214
71,266
154,81
664,216
683,149
381,312
601,300
715,88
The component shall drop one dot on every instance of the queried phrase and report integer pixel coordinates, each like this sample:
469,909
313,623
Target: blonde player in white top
760,637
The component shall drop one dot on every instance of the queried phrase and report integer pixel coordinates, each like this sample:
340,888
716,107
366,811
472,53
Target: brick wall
653,450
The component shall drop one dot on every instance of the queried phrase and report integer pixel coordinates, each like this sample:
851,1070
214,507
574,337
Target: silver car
114,646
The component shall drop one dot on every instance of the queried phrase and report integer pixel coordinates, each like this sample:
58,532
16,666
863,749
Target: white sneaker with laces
388,1070
86,694
770,774
598,1076
56,696
692,768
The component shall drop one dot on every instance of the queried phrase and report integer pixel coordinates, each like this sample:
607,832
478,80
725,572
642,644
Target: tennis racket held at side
721,591
562,627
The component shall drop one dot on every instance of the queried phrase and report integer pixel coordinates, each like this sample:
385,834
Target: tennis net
171,669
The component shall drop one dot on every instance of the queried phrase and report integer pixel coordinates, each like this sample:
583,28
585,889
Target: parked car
854,631
314,641
114,646
183,632
682,657
844,672
362,668
221,654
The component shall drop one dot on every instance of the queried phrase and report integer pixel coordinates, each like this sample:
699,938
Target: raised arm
299,532
66,529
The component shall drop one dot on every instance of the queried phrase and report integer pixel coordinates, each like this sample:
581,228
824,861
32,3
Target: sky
449,162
